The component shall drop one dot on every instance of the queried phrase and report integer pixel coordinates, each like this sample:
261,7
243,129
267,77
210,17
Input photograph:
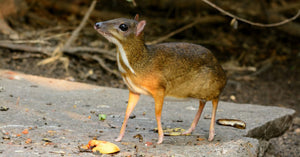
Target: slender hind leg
196,119
213,118
132,101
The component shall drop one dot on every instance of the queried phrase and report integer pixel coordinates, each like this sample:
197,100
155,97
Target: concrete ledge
58,110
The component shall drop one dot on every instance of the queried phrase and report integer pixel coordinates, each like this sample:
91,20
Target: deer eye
123,27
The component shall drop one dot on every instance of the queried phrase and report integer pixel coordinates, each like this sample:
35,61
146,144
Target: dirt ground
273,54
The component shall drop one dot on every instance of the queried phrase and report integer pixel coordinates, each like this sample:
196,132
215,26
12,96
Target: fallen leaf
148,143
102,116
25,131
28,141
139,136
232,97
207,116
5,137
172,131
84,148
297,131
200,139
232,122
58,152
132,116
125,143
3,108
46,140
51,131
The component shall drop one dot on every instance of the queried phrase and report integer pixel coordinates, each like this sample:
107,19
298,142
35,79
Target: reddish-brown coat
180,70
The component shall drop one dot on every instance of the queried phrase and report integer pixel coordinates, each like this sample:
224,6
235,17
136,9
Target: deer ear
140,27
136,17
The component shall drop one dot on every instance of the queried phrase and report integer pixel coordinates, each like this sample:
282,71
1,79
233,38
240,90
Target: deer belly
133,87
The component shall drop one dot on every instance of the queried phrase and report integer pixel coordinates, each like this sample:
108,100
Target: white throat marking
122,70
123,55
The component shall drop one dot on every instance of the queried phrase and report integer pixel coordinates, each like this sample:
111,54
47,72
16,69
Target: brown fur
180,70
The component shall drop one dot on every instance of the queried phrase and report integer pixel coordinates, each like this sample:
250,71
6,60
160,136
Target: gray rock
66,124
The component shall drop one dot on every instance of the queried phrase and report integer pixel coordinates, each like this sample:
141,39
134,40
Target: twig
173,33
134,3
18,100
55,55
103,65
30,41
81,25
12,46
27,55
45,50
60,48
266,65
288,6
250,22
197,20
55,36
89,49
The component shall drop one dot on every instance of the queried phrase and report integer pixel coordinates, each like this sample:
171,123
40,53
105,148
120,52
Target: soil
275,55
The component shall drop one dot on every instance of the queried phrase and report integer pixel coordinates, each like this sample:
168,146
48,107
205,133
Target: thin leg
159,100
196,119
213,118
132,101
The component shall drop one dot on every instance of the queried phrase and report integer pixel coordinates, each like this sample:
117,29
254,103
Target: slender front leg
196,119
159,100
213,118
132,101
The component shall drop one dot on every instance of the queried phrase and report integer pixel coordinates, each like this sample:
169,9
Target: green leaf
102,116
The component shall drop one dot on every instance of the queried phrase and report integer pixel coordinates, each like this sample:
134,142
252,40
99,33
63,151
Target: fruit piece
103,147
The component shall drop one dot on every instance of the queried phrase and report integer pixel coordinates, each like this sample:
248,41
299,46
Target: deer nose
97,25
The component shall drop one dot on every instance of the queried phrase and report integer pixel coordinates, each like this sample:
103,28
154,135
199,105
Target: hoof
160,140
187,132
211,136
118,139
